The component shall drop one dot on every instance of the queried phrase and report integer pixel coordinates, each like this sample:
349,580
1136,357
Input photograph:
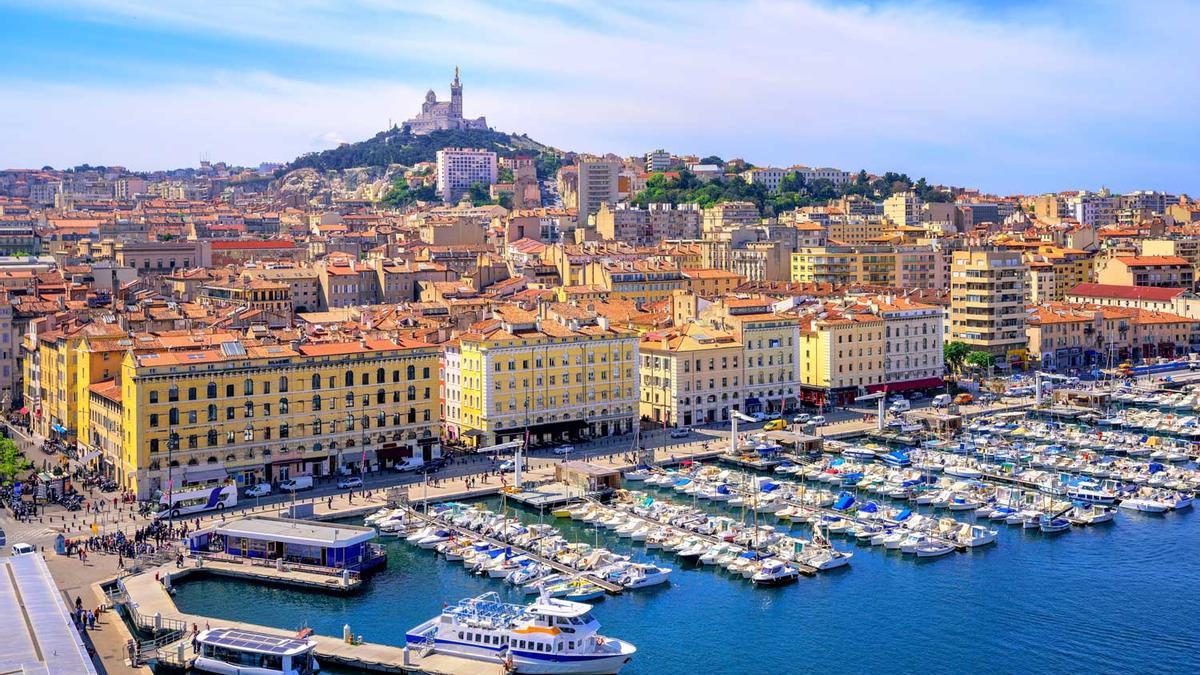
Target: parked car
900,406
988,398
963,399
350,482
917,395
802,418
941,400
564,449
260,490
817,420
297,484
23,549
510,465
410,464
774,416
681,433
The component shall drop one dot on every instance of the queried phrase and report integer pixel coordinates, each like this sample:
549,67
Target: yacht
550,636
774,572
234,651
644,576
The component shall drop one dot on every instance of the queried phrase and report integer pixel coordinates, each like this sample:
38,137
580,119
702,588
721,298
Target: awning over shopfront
392,454
925,383
59,428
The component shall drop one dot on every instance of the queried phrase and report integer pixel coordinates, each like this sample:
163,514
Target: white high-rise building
459,168
597,185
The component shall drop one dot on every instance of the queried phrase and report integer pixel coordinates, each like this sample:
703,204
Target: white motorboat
774,572
1144,504
644,576
1091,515
550,636
976,535
826,558
931,548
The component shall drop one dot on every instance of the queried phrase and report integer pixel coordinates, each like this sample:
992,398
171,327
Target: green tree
980,360
954,353
713,159
479,194
11,461
504,175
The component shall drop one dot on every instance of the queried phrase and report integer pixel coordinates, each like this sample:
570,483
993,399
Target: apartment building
1148,270
987,302
649,226
272,412
690,375
771,342
459,168
597,183
841,355
727,216
658,160
558,374
913,339
1064,336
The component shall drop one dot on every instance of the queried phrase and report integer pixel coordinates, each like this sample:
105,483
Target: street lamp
172,446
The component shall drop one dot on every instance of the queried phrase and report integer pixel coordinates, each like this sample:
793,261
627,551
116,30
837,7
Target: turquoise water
1113,598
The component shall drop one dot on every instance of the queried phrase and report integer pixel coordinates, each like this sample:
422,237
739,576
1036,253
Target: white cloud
1008,103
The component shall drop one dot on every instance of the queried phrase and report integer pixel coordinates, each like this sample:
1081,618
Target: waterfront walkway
150,598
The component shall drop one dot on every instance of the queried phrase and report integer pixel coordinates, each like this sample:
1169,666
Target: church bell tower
456,97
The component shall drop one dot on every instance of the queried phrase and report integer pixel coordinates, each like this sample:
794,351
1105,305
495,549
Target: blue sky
1008,96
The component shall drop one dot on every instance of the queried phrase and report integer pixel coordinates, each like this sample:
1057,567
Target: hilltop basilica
436,115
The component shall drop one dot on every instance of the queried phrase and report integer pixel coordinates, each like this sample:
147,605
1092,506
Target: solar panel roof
238,638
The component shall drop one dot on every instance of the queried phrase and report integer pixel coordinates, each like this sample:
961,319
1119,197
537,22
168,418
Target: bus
196,499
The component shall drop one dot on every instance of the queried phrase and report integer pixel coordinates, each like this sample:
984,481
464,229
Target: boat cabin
245,652
342,547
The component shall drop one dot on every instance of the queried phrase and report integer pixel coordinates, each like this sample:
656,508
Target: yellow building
639,282
771,349
270,412
691,375
842,355
843,266
562,374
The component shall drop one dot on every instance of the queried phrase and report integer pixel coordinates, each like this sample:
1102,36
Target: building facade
460,168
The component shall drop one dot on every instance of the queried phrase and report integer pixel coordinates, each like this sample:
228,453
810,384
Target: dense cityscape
581,374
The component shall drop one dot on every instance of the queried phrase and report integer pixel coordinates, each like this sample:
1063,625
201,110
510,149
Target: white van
901,405
941,400
297,484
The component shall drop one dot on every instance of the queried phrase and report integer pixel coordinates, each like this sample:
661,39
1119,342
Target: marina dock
801,567
609,587
151,608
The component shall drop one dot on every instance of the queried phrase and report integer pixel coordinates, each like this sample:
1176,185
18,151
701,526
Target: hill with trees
399,146
794,190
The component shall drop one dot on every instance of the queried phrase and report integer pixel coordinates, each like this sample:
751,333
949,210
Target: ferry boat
234,651
550,636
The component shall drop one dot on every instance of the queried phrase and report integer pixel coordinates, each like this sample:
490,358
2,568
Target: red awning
926,383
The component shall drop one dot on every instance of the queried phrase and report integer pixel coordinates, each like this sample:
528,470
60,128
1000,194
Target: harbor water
1119,597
